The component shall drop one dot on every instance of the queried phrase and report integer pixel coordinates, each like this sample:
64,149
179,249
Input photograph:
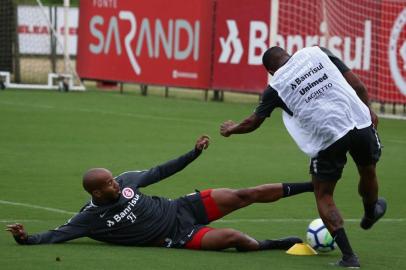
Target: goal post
41,45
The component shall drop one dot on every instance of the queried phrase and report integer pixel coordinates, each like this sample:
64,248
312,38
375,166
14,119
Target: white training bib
325,107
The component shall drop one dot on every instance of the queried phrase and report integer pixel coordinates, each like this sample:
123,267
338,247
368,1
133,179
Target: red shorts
212,212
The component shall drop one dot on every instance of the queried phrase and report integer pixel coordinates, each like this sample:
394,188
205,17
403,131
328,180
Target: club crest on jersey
128,193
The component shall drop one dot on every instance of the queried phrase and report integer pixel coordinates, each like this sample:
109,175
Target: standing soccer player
327,119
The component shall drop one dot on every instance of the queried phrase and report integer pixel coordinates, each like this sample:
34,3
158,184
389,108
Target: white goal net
39,51
368,35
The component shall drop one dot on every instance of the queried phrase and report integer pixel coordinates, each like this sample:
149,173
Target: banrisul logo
231,46
128,193
307,75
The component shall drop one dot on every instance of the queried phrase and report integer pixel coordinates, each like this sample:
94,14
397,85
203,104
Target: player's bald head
94,178
274,58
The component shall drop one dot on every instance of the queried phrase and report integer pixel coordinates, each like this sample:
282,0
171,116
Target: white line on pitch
20,220
27,105
282,220
141,116
396,141
49,209
237,220
124,114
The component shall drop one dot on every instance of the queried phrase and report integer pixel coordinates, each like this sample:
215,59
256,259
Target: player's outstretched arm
249,124
162,171
75,228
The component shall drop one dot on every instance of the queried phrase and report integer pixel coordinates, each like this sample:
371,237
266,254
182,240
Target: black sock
369,210
342,242
265,244
290,189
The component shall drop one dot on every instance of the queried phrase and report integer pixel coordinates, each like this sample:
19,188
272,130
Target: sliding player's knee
246,196
233,238
235,198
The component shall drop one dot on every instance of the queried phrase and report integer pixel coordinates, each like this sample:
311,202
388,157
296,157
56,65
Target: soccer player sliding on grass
119,213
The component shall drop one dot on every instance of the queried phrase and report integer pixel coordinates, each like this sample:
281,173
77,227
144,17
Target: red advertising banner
354,38
369,36
242,35
215,44
392,53
146,41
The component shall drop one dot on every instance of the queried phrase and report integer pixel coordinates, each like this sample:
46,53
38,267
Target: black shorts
194,211
364,147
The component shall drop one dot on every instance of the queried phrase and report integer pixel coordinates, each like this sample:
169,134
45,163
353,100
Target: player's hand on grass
18,231
226,127
202,142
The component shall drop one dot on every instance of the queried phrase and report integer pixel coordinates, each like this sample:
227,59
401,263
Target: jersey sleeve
342,67
160,172
269,101
76,227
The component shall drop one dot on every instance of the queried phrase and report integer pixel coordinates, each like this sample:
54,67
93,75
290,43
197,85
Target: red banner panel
354,37
219,44
242,35
146,41
369,36
392,53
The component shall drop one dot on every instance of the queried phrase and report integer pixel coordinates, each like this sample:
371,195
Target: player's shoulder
131,178
269,92
327,51
122,177
336,60
85,215
88,208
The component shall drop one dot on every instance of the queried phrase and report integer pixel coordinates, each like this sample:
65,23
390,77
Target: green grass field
48,140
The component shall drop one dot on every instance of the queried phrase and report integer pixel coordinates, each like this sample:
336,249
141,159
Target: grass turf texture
48,139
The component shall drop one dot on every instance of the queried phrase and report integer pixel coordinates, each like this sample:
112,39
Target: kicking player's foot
349,262
380,209
284,243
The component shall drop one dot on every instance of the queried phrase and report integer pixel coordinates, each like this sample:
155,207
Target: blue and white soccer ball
318,237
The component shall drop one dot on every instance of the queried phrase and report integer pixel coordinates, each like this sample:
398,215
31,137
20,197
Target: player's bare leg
219,239
323,191
229,200
368,184
368,189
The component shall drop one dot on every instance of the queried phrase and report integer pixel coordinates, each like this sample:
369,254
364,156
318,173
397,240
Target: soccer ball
318,237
